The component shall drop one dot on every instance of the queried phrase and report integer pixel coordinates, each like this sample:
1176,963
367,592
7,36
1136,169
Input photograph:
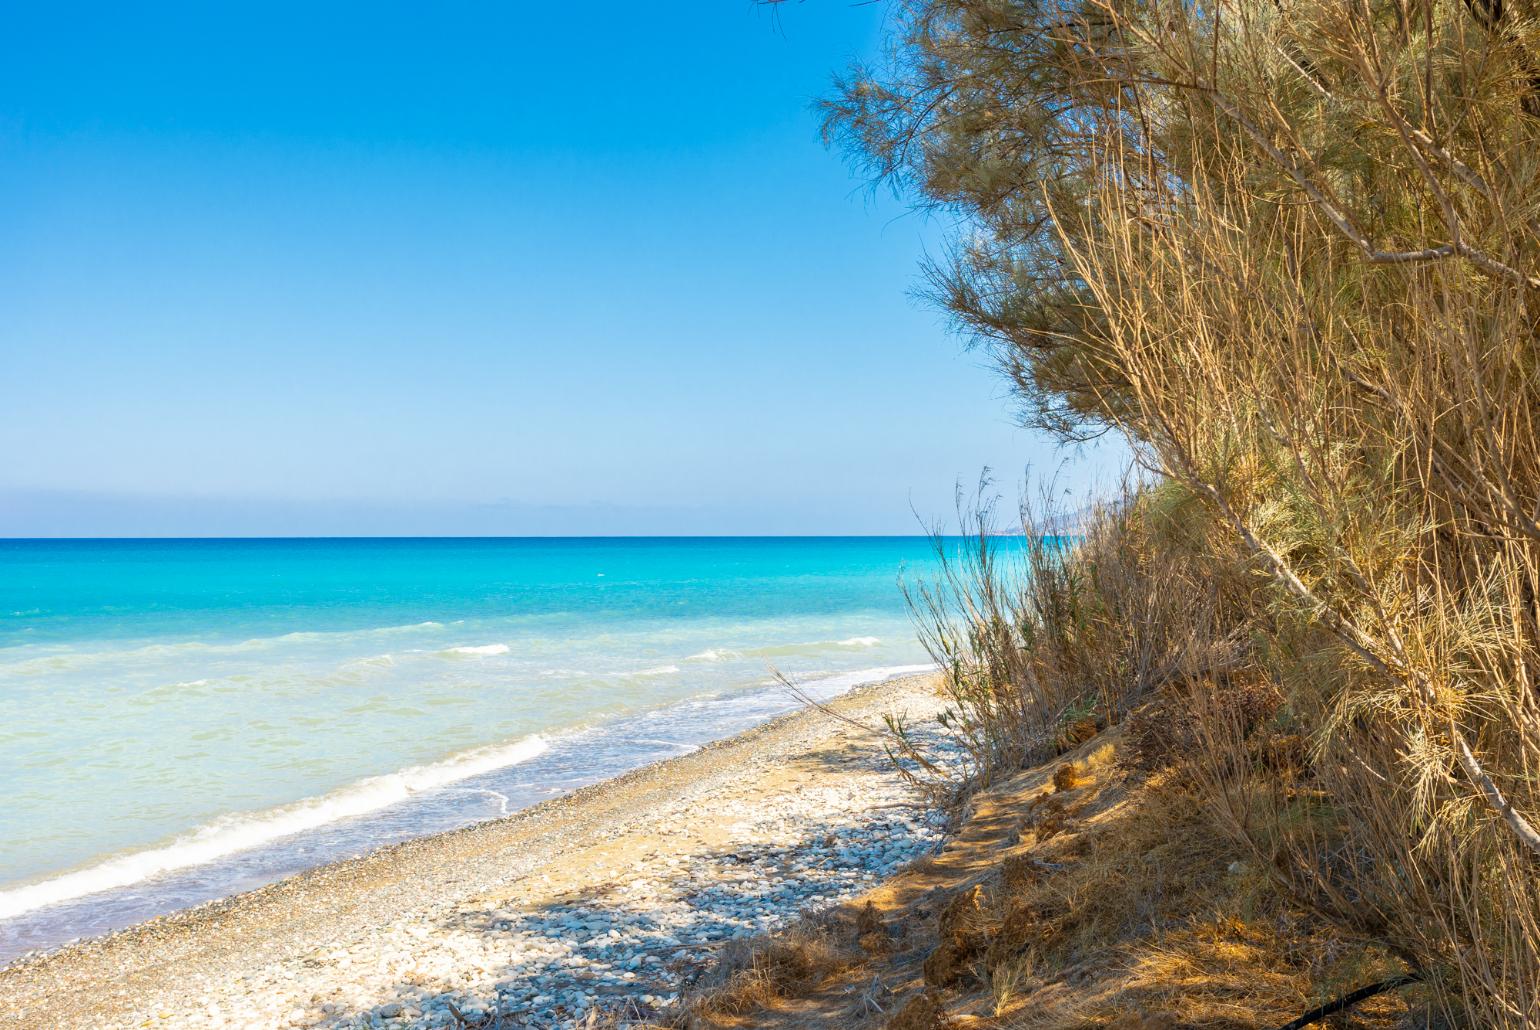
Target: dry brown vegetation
1108,903
1039,653
1288,249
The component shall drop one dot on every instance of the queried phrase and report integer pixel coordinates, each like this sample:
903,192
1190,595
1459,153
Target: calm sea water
183,719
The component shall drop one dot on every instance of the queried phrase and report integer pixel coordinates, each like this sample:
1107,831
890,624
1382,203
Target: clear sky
463,268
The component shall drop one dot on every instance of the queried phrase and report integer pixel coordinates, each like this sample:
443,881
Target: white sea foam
832,686
812,647
22,661
714,654
481,650
724,711
239,832
682,747
114,892
659,670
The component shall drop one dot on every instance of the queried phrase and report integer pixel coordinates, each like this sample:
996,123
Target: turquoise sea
184,719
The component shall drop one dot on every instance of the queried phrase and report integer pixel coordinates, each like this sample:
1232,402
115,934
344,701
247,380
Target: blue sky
455,268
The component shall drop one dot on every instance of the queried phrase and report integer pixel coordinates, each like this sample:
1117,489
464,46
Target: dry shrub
1158,862
1073,930
1140,915
1026,928
1066,777
1018,872
1159,733
1291,249
1146,1021
1208,967
1076,733
924,1011
1170,730
872,931
1046,815
752,974
1045,639
875,943
960,918
962,932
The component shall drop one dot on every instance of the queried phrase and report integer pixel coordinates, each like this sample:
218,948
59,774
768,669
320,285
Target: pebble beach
613,899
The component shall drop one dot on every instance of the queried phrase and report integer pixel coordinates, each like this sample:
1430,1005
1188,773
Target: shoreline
209,965
245,850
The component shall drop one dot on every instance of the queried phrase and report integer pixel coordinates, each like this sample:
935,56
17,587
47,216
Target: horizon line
484,536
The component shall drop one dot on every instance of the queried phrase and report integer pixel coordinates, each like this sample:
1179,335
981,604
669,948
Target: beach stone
642,937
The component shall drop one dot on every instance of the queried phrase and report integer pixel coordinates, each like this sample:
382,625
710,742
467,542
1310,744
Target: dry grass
1190,867
1045,640
1292,251
759,972
1130,913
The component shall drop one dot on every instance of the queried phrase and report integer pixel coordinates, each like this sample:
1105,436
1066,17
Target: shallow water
180,720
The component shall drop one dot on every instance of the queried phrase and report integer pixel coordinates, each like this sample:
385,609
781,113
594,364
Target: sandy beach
615,895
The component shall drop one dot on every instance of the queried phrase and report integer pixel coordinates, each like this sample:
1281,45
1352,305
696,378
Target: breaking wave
238,832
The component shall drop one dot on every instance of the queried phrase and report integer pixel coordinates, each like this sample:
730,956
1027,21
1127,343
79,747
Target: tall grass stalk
1048,632
1290,249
